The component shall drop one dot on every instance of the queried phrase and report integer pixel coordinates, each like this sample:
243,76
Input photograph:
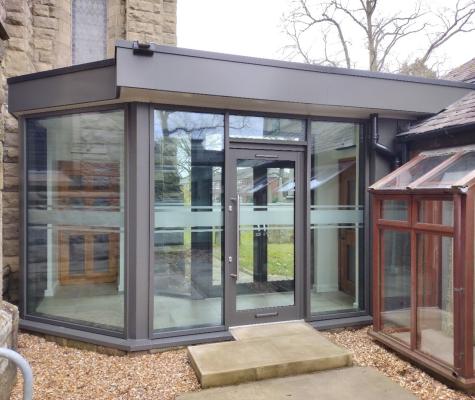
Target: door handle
238,213
266,156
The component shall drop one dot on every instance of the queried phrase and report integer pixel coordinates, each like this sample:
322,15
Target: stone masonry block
11,216
16,18
45,22
43,44
41,10
10,154
13,263
11,200
11,231
11,248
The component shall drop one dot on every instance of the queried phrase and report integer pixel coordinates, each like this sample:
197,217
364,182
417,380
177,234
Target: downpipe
25,368
380,148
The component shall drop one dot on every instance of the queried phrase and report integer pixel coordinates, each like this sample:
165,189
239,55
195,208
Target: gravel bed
368,353
67,373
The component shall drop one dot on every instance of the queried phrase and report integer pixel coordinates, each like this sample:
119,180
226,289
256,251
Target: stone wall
40,39
8,338
19,56
151,21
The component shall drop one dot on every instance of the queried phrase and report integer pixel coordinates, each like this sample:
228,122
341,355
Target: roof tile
464,73
460,113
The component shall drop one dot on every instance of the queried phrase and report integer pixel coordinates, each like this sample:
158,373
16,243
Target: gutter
447,131
380,148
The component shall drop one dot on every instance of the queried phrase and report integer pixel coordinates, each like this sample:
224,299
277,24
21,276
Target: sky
253,28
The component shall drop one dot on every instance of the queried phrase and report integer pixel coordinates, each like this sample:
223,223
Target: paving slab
257,357
355,383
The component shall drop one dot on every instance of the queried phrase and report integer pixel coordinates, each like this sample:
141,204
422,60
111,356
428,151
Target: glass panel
436,212
396,285
406,176
336,217
189,180
455,171
266,128
76,255
396,210
266,276
435,304
65,154
89,30
101,253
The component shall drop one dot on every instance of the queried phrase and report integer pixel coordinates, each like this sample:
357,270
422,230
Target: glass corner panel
252,127
435,300
396,210
75,227
395,272
336,217
188,220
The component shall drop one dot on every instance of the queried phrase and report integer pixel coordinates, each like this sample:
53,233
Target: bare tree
336,30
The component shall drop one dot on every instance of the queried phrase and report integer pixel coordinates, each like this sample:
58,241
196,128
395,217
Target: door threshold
267,323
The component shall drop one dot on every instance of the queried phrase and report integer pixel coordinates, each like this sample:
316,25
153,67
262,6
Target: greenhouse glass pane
452,173
408,175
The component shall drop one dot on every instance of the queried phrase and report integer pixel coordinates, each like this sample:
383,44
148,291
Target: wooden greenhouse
423,261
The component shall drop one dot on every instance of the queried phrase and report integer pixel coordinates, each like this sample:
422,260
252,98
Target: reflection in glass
396,285
266,192
76,255
435,301
406,176
335,217
396,210
71,276
436,212
189,179
266,128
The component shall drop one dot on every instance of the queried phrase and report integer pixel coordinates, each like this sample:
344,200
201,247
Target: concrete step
264,352
355,383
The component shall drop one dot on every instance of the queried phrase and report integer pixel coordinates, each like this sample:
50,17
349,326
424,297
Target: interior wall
72,138
326,243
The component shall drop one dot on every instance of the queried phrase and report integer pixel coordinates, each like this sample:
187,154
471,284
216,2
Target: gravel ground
368,353
64,373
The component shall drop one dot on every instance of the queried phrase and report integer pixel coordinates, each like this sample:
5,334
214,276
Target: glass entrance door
264,236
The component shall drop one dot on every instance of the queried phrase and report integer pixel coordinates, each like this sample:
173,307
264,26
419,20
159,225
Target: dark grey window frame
364,260
138,332
23,189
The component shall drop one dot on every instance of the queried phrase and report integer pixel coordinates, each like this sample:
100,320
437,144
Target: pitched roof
457,115
464,73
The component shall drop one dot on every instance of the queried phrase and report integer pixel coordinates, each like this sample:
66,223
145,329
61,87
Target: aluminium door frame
294,153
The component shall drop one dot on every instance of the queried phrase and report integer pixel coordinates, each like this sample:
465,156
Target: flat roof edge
64,70
295,65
